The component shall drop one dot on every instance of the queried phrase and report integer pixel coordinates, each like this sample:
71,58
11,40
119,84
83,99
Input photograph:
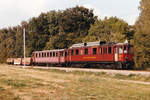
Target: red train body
120,54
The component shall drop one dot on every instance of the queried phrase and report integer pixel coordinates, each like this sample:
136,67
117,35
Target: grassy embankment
40,84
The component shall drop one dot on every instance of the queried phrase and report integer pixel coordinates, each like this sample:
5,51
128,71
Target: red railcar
48,57
120,54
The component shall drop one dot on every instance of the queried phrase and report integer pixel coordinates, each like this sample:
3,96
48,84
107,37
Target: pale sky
13,12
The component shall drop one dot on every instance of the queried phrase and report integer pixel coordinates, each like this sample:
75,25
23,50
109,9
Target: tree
53,22
7,43
109,29
37,33
77,19
69,26
142,36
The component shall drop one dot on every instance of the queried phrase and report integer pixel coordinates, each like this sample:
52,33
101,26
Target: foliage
142,36
69,27
109,29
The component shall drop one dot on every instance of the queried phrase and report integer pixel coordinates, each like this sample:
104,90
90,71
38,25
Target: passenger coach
48,57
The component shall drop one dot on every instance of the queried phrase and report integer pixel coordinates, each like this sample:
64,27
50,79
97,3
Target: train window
81,52
66,54
120,50
61,54
42,54
77,52
36,55
104,50
56,54
125,49
109,50
39,55
72,52
50,54
53,54
94,51
47,54
86,51
100,50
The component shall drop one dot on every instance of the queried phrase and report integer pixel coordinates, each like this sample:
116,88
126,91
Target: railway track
107,71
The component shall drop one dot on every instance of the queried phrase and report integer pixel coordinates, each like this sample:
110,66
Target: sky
13,12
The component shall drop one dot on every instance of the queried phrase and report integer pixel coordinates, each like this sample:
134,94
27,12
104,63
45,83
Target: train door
66,55
116,53
105,53
69,55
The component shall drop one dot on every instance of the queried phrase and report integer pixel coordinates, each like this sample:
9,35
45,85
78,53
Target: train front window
125,49
120,50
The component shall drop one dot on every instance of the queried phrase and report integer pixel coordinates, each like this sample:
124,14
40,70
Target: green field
39,84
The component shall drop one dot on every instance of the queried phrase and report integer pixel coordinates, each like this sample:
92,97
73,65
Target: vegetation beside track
41,84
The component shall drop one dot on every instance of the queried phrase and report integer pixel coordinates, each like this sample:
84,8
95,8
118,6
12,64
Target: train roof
57,50
88,44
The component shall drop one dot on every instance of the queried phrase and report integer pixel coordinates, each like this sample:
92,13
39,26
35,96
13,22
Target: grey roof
50,50
88,44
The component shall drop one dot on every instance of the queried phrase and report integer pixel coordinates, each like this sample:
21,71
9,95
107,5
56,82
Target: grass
41,84
13,83
102,74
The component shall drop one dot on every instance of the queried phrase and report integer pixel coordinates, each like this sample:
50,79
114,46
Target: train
90,54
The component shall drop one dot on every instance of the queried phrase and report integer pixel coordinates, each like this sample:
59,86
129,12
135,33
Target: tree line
61,29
